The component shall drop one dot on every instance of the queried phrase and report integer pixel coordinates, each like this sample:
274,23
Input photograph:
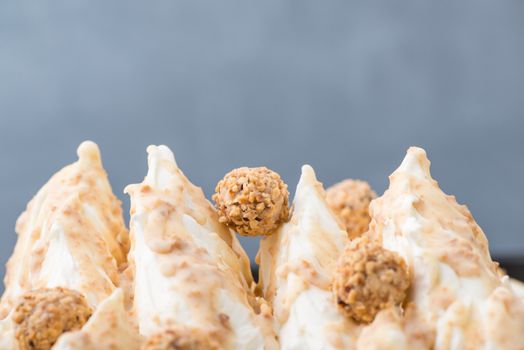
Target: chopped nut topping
368,279
180,338
349,200
43,315
252,201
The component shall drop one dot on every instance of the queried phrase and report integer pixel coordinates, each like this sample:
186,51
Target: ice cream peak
189,269
438,238
72,235
179,198
455,283
297,264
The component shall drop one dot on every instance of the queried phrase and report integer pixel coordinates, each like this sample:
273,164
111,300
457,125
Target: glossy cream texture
517,286
7,335
71,235
296,268
189,269
455,287
109,328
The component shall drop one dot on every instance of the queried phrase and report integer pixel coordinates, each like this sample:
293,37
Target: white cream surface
155,299
7,335
247,335
59,267
517,286
297,264
310,318
109,328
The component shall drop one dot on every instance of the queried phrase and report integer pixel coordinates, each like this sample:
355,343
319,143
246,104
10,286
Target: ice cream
72,235
109,328
421,277
296,267
190,270
71,243
455,288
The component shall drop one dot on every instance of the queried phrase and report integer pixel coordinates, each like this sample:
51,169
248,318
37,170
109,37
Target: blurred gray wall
344,86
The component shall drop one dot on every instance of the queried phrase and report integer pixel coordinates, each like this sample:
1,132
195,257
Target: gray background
344,86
